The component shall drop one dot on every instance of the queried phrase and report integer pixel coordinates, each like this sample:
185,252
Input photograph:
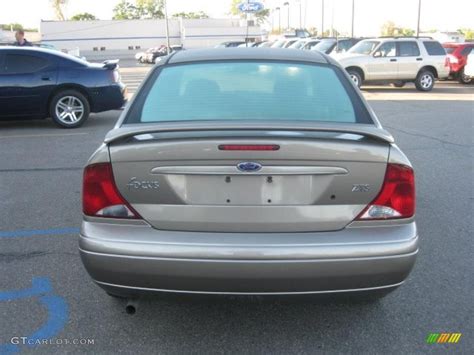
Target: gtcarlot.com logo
59,341
443,338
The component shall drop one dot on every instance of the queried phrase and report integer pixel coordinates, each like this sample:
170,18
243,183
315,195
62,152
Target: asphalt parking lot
46,293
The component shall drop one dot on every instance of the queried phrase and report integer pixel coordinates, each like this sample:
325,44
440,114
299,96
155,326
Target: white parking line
45,135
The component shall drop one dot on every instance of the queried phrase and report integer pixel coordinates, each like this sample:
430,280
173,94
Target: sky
369,14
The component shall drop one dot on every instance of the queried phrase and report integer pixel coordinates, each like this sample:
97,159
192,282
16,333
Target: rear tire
69,109
425,81
463,78
355,77
398,84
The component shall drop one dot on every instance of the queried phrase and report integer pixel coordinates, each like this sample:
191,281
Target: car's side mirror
377,54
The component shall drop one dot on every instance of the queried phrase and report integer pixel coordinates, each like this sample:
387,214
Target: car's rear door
28,79
409,59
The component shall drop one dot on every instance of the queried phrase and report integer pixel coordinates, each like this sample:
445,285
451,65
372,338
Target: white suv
397,60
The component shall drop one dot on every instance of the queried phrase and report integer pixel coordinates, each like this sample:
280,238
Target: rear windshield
248,91
434,48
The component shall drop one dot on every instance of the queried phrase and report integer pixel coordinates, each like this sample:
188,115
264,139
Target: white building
445,37
123,38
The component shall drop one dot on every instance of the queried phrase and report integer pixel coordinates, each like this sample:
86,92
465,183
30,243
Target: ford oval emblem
249,166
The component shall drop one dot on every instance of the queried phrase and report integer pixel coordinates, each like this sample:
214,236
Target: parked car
305,43
457,56
284,42
335,45
299,190
40,83
249,45
397,60
469,67
230,44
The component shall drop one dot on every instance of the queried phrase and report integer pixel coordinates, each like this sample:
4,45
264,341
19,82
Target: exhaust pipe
132,305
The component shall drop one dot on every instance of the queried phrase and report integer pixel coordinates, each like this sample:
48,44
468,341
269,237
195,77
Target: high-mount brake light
249,147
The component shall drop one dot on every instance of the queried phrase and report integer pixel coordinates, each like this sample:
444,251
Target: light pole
167,29
352,23
279,19
418,23
322,18
287,4
301,24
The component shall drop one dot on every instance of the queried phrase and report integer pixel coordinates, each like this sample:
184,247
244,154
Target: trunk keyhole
227,179
333,197
228,201
269,179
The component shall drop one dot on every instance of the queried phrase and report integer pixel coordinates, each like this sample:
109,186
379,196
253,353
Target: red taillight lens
396,199
249,147
100,197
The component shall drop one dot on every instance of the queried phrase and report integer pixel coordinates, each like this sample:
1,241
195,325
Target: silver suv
397,60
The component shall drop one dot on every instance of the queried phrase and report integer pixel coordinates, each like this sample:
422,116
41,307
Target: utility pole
167,29
279,19
352,23
418,23
322,18
287,4
301,24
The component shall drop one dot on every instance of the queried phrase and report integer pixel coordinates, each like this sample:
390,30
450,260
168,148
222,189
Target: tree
191,15
85,16
467,32
150,9
141,9
13,26
390,29
124,11
58,8
261,16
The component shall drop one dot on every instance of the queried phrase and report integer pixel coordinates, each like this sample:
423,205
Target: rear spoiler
110,64
367,130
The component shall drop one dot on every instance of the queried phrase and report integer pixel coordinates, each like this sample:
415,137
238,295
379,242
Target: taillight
452,59
100,197
115,75
396,199
249,147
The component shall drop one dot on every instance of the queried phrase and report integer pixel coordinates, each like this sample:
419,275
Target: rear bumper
112,97
131,259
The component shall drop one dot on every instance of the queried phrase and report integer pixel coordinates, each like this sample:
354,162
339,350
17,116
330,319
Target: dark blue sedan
40,83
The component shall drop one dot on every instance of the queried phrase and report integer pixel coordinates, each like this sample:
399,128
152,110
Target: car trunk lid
184,180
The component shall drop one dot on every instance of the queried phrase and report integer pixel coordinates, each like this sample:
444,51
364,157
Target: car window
324,46
408,49
311,45
364,47
466,51
387,49
248,91
343,45
24,63
435,48
2,67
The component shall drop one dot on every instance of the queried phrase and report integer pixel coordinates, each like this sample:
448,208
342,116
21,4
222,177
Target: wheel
463,78
425,81
398,84
69,109
355,77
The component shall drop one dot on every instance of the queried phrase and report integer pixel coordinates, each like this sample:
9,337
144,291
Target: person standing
21,41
